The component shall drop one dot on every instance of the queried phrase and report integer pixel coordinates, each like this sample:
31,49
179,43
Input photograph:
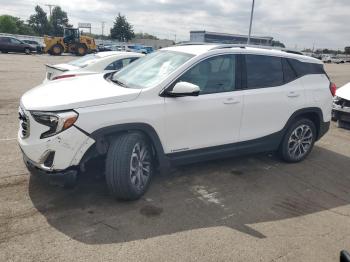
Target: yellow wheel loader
71,42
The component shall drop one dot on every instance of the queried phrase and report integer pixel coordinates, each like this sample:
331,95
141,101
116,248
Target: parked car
11,44
179,105
138,48
91,64
147,49
103,48
326,59
337,60
39,48
341,106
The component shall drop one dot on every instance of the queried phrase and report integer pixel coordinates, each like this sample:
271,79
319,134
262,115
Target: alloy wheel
300,141
140,166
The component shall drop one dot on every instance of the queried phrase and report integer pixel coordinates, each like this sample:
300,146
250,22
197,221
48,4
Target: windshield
151,69
84,61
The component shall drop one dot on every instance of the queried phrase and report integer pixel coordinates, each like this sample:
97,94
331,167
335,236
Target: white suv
179,105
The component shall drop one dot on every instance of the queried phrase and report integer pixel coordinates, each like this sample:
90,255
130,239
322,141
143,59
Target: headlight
57,122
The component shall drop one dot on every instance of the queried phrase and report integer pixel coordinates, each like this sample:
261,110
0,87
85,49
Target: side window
263,71
213,75
119,64
303,68
15,41
288,72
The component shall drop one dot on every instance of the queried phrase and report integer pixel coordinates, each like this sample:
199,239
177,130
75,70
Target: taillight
333,88
62,76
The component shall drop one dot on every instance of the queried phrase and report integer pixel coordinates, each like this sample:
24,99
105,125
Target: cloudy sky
297,23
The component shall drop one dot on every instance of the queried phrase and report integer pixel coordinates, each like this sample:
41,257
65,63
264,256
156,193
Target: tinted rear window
263,71
302,68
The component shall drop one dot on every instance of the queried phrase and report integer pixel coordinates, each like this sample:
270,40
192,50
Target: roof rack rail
223,46
193,43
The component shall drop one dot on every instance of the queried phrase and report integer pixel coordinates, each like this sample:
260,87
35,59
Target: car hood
344,91
76,92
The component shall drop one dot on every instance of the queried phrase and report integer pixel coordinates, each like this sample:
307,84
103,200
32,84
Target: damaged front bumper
67,177
341,110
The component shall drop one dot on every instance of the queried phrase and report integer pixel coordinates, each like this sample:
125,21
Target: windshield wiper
119,82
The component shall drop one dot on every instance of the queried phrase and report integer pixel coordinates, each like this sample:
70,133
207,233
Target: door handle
293,94
231,101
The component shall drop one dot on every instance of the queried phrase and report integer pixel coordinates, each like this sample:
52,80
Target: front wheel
298,141
81,50
27,51
129,166
56,50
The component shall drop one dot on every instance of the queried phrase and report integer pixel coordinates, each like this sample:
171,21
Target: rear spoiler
57,68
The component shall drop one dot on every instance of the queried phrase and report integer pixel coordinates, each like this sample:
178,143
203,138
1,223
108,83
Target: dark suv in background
11,44
39,48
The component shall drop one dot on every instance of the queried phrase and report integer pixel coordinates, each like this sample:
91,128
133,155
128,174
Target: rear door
273,93
5,44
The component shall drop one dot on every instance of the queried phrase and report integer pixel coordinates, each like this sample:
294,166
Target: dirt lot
241,209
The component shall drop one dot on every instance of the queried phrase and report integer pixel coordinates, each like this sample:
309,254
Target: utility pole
50,7
251,22
103,27
175,38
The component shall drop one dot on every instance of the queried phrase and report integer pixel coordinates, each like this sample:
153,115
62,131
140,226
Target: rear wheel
129,166
27,51
298,141
56,50
81,50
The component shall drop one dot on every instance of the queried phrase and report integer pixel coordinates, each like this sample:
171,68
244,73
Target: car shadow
235,192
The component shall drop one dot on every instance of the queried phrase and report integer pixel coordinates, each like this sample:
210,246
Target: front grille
23,123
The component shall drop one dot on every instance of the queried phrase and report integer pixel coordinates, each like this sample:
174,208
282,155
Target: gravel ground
254,208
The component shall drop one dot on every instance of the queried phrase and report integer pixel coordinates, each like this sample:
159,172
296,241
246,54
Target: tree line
40,24
37,24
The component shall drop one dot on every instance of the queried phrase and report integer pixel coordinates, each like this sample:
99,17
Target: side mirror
344,256
184,89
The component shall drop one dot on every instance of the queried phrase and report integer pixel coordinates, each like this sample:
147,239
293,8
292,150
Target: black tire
81,50
27,51
298,144
121,179
56,50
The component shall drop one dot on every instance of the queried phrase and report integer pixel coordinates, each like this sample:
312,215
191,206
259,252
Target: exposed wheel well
313,114
113,136
315,118
103,140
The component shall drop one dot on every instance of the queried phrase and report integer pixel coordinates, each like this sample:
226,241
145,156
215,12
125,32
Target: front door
210,119
16,45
